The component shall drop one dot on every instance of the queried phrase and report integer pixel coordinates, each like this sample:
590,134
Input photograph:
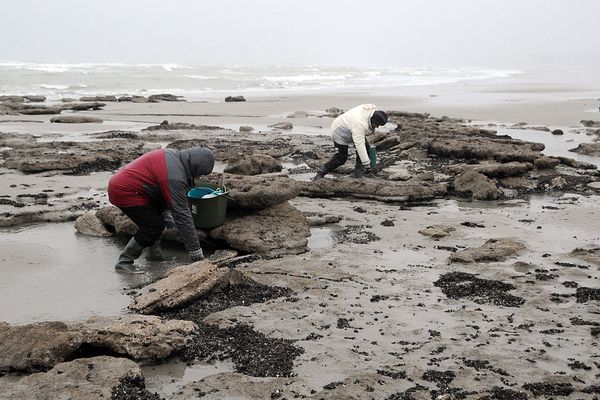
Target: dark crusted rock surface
458,285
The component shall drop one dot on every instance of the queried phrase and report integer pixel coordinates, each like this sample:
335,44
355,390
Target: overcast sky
351,32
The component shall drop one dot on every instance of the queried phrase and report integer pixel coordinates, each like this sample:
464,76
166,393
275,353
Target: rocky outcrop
491,250
85,378
254,164
76,119
588,149
179,286
276,230
36,346
140,337
371,188
230,99
255,192
89,224
73,157
476,185
282,125
164,97
108,98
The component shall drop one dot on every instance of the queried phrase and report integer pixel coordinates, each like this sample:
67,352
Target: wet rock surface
254,165
273,231
87,378
491,250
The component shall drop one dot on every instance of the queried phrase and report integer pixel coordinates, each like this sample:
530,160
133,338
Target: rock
589,255
491,250
85,378
254,164
177,126
36,346
76,119
334,112
276,230
545,162
12,99
68,100
558,183
590,124
179,286
256,192
141,337
246,128
569,162
589,149
298,114
222,255
133,99
499,170
84,106
230,99
90,225
282,125
39,110
318,219
36,99
98,98
478,185
164,97
376,189
408,114
113,216
437,231
557,132
481,148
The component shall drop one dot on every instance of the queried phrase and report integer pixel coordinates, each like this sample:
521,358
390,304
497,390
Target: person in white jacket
351,128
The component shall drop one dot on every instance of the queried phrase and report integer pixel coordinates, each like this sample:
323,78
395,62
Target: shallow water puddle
320,238
48,272
166,379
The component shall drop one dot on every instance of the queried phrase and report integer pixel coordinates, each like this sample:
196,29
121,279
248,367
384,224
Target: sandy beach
375,309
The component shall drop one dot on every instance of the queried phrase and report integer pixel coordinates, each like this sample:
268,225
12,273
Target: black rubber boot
359,171
155,253
320,174
130,253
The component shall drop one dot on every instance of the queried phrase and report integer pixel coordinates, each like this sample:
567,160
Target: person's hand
197,255
168,219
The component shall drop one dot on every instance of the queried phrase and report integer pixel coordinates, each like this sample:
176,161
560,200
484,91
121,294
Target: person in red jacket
150,188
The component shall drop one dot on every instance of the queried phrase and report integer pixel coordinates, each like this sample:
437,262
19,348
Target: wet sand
368,310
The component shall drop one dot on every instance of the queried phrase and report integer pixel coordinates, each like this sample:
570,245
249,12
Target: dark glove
197,255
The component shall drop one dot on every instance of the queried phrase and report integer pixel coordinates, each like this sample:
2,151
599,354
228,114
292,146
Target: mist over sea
56,81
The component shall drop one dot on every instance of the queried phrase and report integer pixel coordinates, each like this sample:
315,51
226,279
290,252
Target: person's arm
183,219
358,137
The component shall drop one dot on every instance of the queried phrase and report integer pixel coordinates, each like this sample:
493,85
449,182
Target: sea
197,82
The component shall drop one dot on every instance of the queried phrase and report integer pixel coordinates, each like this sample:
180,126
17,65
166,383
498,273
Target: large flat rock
491,250
180,285
36,346
277,230
81,379
141,337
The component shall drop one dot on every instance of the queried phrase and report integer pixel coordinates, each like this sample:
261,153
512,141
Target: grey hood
197,161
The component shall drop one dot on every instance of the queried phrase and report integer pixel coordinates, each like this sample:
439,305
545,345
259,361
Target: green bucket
210,212
373,157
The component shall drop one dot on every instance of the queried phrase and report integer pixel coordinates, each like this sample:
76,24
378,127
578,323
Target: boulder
113,216
98,98
276,230
545,162
89,224
557,132
298,114
590,124
491,250
588,149
141,337
246,128
254,164
36,99
256,192
497,170
179,286
76,119
164,97
37,346
334,112
437,231
39,110
84,106
230,99
477,185
81,379
282,125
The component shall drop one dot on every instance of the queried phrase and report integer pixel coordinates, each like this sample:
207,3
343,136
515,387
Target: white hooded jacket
351,128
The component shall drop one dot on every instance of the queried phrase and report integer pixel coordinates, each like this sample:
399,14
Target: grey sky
375,32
